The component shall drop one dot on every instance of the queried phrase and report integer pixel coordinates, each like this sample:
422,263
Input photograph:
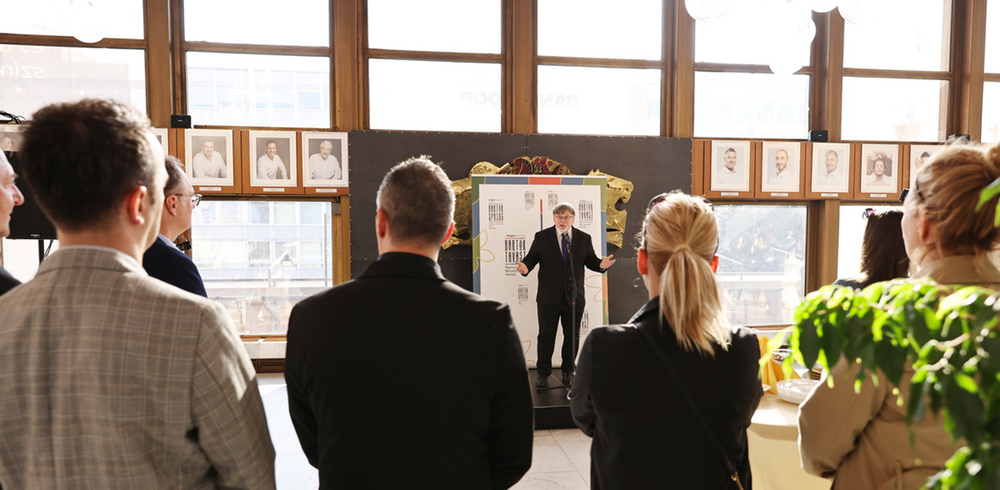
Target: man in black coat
562,251
163,260
10,196
401,379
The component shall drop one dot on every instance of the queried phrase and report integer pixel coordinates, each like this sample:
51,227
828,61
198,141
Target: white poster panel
507,214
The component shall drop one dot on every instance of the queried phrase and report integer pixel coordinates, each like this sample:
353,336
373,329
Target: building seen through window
762,251
259,258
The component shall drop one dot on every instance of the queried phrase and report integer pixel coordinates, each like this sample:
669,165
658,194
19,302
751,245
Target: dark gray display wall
652,164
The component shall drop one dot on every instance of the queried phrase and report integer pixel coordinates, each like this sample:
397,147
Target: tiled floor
560,459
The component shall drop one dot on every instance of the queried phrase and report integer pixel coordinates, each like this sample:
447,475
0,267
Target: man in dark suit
401,379
163,260
560,286
10,196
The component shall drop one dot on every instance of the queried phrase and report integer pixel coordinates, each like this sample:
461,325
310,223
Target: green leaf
918,396
964,409
891,360
988,193
806,342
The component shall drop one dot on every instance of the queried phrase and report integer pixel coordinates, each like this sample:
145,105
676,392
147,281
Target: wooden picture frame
272,173
878,171
829,171
206,175
325,161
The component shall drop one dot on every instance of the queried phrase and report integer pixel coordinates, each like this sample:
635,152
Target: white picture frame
831,167
917,159
316,173
872,182
163,136
209,166
775,178
729,166
10,137
279,170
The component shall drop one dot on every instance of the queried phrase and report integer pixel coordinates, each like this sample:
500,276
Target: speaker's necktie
565,247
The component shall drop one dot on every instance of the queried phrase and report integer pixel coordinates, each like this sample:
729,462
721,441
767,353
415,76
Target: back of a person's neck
108,238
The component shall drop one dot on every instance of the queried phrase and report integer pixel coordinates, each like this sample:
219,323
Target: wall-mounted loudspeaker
819,135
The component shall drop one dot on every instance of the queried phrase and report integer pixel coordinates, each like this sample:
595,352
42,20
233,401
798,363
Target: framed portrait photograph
10,137
163,136
780,166
324,159
730,165
209,156
919,154
273,159
879,169
831,170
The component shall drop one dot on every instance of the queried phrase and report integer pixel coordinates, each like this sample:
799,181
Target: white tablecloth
774,449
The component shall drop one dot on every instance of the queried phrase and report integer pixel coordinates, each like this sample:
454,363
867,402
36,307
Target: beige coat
861,441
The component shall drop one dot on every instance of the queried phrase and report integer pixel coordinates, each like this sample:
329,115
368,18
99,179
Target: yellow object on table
772,372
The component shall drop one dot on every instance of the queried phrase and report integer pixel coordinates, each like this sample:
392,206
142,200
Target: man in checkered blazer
110,379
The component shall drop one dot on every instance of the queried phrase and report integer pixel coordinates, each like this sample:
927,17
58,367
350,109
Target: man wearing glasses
163,260
562,251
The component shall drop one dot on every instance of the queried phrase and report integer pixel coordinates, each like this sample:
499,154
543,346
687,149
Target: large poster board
507,211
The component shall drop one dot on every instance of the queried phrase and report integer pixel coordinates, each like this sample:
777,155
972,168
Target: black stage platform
551,404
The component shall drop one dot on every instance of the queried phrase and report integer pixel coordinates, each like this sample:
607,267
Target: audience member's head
677,260
940,217
94,164
10,195
883,255
178,200
416,203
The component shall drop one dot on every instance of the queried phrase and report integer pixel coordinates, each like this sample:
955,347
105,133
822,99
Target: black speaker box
180,121
28,221
819,135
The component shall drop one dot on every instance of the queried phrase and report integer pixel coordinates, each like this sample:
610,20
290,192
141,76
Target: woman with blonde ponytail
645,434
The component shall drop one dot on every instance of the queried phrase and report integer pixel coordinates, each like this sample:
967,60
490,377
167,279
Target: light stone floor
560,458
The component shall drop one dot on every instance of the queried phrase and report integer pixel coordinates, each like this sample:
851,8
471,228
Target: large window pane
914,36
435,25
34,76
852,234
893,109
991,112
593,29
254,268
121,19
747,105
434,95
258,90
289,22
762,253
747,35
585,100
993,37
